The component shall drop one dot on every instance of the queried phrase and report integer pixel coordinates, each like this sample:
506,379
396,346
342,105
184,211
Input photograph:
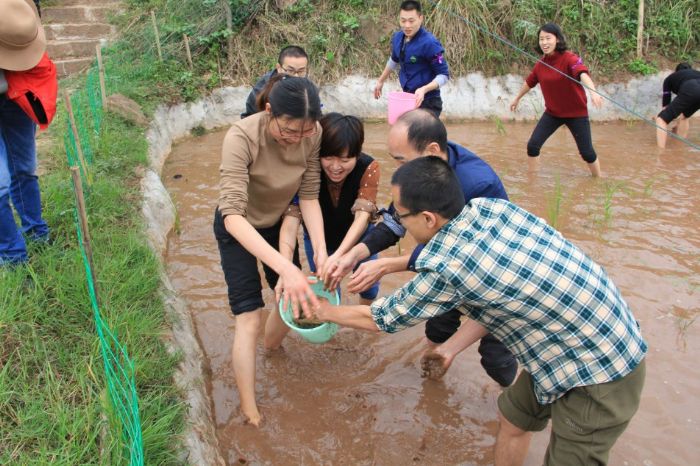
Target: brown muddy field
359,399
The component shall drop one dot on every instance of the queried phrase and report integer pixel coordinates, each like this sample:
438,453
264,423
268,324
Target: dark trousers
433,105
497,360
580,129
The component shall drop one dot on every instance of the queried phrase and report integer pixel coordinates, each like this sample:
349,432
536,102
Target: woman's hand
296,289
330,265
320,259
514,104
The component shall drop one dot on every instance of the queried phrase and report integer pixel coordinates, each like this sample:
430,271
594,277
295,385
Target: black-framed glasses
396,216
286,132
300,73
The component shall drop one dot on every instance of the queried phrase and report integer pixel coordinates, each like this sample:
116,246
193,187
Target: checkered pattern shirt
551,305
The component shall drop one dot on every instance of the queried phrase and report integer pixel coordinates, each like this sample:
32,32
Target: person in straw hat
28,90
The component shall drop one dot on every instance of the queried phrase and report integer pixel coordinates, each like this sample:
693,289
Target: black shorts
686,102
241,267
433,104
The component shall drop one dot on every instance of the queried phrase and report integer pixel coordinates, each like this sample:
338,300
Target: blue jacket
421,60
476,178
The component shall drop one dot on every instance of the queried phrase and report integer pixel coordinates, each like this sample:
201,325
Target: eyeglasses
300,73
396,216
288,133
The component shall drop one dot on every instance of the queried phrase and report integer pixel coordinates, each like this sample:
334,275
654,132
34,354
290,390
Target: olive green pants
586,421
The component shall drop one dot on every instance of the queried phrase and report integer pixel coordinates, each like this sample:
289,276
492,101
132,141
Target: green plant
554,202
500,127
639,66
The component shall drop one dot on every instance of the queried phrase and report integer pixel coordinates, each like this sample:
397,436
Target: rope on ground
535,58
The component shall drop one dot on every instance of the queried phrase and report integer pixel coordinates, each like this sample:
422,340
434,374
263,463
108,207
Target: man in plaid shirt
516,277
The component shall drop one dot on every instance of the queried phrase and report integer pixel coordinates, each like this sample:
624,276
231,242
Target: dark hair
423,127
556,30
429,184
410,5
683,66
291,97
291,51
341,133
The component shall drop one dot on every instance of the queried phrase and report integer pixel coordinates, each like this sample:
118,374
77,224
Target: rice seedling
554,202
500,127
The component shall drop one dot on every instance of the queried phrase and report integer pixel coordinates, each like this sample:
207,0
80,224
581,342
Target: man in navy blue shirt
416,134
420,56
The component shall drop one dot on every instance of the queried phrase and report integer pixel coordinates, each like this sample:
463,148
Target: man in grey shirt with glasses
292,61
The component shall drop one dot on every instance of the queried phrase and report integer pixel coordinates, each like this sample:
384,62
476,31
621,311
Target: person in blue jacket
416,134
420,57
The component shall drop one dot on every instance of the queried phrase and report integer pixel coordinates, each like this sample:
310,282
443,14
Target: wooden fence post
155,31
76,136
640,30
187,50
101,70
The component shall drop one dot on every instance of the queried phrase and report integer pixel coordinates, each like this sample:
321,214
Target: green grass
554,203
353,36
53,406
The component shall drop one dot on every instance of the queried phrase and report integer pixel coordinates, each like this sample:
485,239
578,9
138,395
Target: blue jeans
371,292
18,183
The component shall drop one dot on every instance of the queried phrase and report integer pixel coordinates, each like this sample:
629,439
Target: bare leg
683,126
533,165
661,133
512,444
275,330
595,168
244,343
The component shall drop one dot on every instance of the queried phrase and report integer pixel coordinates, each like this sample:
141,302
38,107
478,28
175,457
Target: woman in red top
564,98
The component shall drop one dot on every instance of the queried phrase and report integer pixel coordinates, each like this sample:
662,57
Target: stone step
72,65
76,14
71,48
78,31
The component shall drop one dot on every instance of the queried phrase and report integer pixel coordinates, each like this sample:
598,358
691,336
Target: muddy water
359,399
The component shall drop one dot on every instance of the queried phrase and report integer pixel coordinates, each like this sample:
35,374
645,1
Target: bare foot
432,366
254,419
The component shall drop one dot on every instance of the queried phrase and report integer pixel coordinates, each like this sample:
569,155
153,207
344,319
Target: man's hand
378,89
366,275
420,95
434,364
322,311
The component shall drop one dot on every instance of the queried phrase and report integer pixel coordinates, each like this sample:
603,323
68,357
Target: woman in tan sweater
267,159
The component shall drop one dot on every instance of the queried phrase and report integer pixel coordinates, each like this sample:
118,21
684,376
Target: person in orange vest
28,89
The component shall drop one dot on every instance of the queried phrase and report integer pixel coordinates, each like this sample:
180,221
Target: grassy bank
352,36
54,405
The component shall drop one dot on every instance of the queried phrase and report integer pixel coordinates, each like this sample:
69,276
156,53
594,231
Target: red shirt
563,98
